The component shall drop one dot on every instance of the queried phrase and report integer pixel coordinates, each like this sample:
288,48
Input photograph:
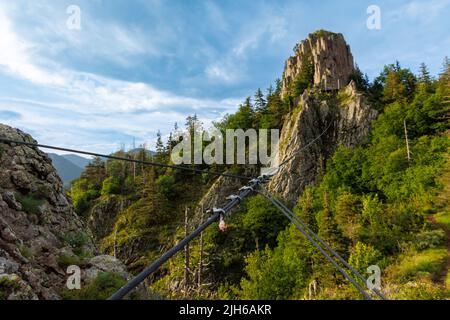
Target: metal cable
178,247
326,255
337,255
149,163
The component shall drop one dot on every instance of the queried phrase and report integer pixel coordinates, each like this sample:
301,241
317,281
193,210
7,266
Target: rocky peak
344,117
331,58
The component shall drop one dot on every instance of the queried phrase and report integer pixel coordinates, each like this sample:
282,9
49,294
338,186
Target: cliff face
345,117
333,104
40,233
36,221
331,58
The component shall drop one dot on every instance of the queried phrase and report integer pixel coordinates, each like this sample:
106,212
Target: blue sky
136,67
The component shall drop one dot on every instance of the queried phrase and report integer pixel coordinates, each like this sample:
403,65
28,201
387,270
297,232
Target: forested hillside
384,201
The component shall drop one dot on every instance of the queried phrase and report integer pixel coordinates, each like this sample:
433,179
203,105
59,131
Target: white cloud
72,108
15,56
87,92
222,73
423,11
271,30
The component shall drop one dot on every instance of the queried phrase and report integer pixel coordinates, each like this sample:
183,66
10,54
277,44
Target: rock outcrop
40,233
103,215
343,118
331,58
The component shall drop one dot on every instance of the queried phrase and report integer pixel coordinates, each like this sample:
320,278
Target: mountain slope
81,162
67,170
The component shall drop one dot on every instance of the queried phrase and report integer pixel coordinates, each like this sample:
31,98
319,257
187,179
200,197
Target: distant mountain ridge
68,166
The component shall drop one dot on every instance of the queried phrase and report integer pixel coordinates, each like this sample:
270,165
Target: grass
76,239
6,285
423,264
443,218
26,252
101,288
322,33
65,260
344,98
30,204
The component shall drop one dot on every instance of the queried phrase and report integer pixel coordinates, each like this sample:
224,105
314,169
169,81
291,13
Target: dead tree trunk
200,261
407,142
186,253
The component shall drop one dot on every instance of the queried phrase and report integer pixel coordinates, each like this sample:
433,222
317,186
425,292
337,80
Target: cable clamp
218,210
233,197
246,188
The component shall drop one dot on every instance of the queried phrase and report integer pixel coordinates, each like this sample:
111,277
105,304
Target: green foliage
26,252
363,256
263,220
322,33
7,285
101,288
303,80
422,264
371,202
111,185
66,260
429,239
421,290
76,240
443,218
166,186
399,84
361,80
273,275
30,203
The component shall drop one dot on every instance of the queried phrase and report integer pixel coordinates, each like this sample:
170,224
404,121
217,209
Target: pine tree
278,86
260,102
444,76
170,144
424,74
159,144
248,103
269,92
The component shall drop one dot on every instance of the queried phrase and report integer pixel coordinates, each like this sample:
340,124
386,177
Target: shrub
7,284
30,204
165,186
422,290
100,288
363,256
76,239
304,79
423,264
111,185
26,252
429,239
65,260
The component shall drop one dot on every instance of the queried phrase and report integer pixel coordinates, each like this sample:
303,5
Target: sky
138,66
